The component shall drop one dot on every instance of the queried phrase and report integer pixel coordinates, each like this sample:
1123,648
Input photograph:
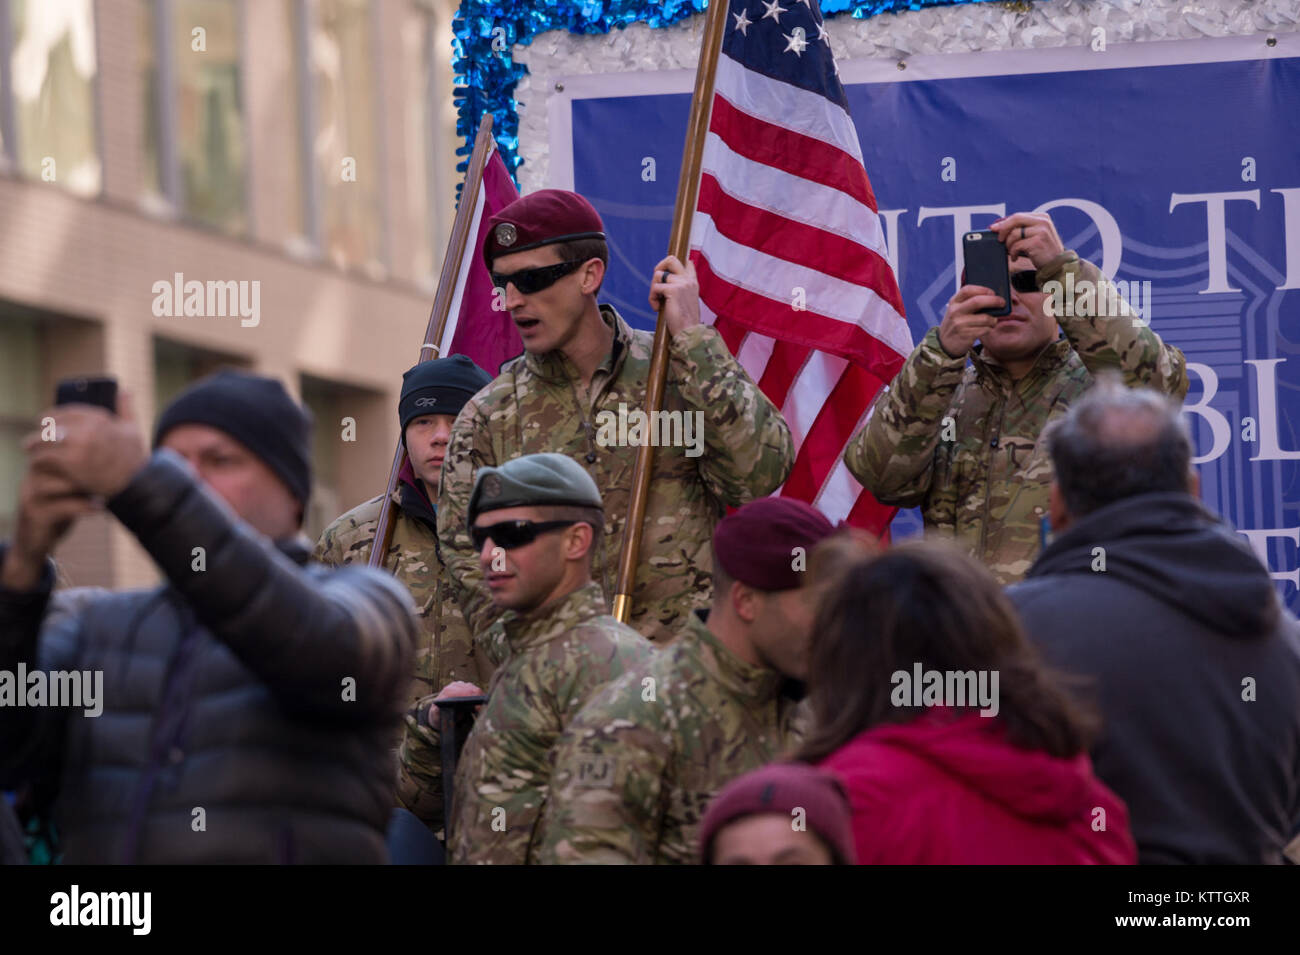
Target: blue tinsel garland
486,77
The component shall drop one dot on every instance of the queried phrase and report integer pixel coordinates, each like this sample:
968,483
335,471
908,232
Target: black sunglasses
529,281
511,534
1025,280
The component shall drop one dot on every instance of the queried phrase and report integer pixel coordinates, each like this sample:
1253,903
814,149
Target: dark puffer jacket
264,693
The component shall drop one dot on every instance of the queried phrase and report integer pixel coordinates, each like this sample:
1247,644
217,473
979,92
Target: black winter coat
1195,667
249,708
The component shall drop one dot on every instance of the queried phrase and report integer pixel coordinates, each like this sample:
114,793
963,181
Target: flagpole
688,187
451,263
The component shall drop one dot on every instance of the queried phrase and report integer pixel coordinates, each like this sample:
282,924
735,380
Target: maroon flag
474,328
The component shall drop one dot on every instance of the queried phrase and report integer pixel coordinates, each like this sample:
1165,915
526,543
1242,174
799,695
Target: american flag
788,246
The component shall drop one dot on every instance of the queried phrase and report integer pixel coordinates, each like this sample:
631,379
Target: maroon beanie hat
756,543
541,218
782,788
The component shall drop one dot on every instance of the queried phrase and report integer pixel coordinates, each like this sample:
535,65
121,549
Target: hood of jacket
1169,546
1031,784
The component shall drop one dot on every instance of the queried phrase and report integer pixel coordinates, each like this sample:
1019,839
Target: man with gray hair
1179,635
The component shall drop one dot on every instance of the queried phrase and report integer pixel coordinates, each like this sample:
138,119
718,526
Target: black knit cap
440,386
255,411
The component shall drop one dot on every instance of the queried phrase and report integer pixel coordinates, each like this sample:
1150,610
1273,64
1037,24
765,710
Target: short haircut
585,515
582,250
1116,443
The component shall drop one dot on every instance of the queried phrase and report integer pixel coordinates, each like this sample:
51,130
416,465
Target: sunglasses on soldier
511,534
1026,280
528,281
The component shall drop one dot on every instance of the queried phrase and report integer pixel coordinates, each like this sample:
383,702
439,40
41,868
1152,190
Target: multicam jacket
636,769
536,404
963,442
557,660
445,653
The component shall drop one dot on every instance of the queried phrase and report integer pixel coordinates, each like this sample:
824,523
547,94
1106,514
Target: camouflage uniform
556,662
445,653
633,776
535,405
986,481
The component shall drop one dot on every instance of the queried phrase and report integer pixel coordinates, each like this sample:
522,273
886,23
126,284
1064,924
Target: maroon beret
782,788
755,544
541,218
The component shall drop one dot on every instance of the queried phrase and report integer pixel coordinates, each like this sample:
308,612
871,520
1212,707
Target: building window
176,366
195,149
49,123
421,66
345,146
21,402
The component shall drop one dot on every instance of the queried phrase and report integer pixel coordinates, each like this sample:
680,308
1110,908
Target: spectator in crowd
537,522
1178,628
962,441
637,767
249,703
783,814
956,745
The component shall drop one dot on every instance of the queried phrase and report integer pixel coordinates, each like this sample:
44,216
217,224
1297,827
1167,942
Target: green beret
533,480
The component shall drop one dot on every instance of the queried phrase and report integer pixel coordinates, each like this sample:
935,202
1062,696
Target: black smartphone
101,392
986,264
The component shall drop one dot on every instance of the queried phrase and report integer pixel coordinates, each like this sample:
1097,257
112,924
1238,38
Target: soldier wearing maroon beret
580,381
637,767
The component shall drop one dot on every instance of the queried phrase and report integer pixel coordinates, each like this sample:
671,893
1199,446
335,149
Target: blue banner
1184,176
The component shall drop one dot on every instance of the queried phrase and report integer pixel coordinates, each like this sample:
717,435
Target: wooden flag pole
442,300
688,188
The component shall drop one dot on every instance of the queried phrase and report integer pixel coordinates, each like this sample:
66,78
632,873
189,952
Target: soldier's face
528,577
238,477
782,632
1027,329
768,839
426,446
551,318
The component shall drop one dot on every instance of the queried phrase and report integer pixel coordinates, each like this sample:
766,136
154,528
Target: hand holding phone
986,264
100,392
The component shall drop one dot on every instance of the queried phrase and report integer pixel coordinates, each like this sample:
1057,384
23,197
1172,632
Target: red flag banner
474,328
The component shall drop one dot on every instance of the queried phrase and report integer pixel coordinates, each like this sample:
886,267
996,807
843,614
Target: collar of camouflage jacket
530,630
1052,357
745,680
555,366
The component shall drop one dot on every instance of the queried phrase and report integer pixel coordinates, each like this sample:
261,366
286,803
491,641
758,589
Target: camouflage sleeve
419,774
607,792
1106,331
893,454
327,550
469,449
748,451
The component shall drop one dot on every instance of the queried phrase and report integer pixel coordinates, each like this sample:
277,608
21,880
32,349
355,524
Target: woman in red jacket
956,744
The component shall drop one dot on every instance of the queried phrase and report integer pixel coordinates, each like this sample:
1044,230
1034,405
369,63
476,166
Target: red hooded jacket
952,791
